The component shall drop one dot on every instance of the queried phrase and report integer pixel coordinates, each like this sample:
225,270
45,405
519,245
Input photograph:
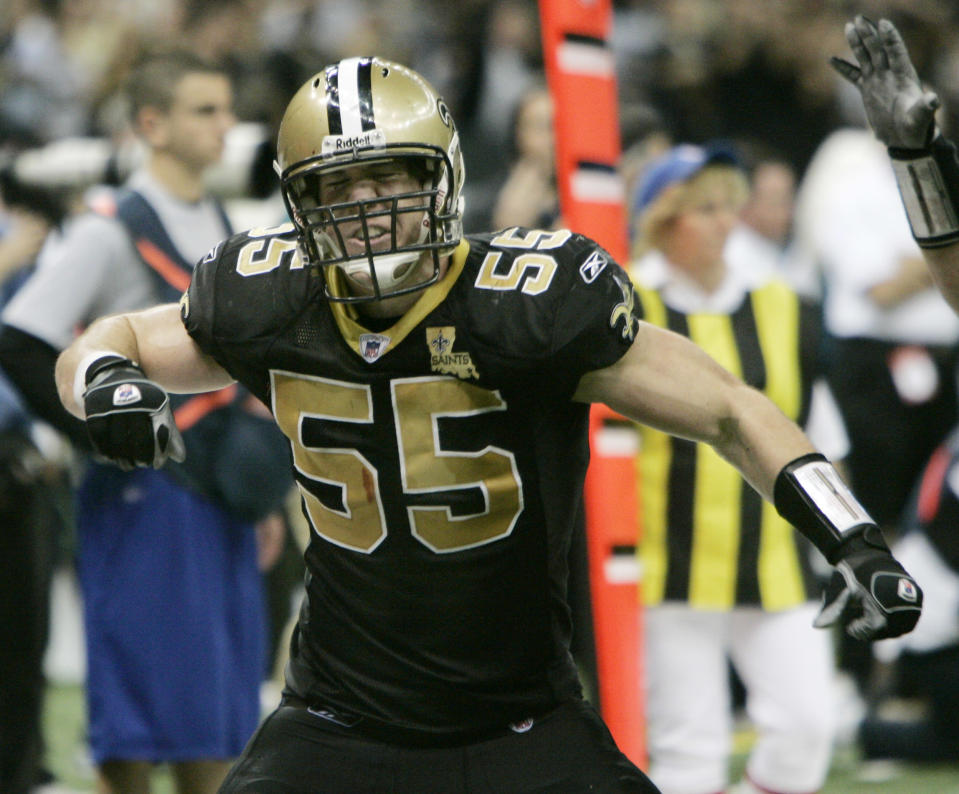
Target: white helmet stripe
351,100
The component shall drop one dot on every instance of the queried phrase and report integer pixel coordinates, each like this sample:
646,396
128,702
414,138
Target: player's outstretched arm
668,382
115,376
902,112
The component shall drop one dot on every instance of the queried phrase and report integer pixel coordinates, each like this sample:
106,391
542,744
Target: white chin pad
391,269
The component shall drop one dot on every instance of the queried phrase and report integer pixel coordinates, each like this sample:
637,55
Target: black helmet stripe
350,90
333,100
364,80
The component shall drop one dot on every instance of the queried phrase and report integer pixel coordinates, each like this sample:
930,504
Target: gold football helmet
369,112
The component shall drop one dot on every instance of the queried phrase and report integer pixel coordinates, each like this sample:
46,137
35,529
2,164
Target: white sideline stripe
579,58
622,569
616,442
606,188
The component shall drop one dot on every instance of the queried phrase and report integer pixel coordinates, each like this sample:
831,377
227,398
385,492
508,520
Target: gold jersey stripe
655,460
346,316
717,488
652,487
776,309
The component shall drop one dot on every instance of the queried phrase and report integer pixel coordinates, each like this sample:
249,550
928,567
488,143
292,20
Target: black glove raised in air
128,417
900,109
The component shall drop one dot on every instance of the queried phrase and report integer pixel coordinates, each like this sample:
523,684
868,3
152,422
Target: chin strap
385,265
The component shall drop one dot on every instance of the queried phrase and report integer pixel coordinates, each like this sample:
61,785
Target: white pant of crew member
788,670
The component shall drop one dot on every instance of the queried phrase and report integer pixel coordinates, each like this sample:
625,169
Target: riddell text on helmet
334,144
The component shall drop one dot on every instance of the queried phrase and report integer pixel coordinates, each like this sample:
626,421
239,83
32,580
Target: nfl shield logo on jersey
372,346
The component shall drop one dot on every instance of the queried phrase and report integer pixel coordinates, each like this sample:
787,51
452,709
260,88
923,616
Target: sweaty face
362,200
367,184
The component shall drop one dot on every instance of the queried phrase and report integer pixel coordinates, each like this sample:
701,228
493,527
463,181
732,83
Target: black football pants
567,751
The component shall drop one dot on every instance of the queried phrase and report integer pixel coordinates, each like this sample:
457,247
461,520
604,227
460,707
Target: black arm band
929,186
811,496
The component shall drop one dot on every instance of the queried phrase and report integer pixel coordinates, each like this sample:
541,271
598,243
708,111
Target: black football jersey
440,463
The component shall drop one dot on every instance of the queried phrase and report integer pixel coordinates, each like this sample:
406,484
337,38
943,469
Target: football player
901,112
435,388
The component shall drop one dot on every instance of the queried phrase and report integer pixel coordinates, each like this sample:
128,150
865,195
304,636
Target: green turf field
65,730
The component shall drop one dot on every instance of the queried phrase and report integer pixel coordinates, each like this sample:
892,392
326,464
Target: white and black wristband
93,364
929,186
810,495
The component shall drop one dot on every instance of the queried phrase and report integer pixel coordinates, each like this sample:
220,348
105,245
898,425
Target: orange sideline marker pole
581,77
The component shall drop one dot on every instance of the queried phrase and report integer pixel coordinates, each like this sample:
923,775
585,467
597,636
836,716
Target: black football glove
870,593
900,110
128,417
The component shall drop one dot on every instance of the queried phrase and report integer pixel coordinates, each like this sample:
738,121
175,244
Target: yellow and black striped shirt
708,538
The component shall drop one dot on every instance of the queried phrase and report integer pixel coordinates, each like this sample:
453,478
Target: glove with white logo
128,417
870,593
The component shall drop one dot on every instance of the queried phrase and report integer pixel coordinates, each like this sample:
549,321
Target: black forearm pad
929,185
815,501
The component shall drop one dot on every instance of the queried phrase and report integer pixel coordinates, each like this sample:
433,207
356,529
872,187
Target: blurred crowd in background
690,69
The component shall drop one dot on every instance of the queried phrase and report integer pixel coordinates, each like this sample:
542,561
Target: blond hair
651,225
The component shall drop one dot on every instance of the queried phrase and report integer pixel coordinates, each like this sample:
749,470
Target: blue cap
680,163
